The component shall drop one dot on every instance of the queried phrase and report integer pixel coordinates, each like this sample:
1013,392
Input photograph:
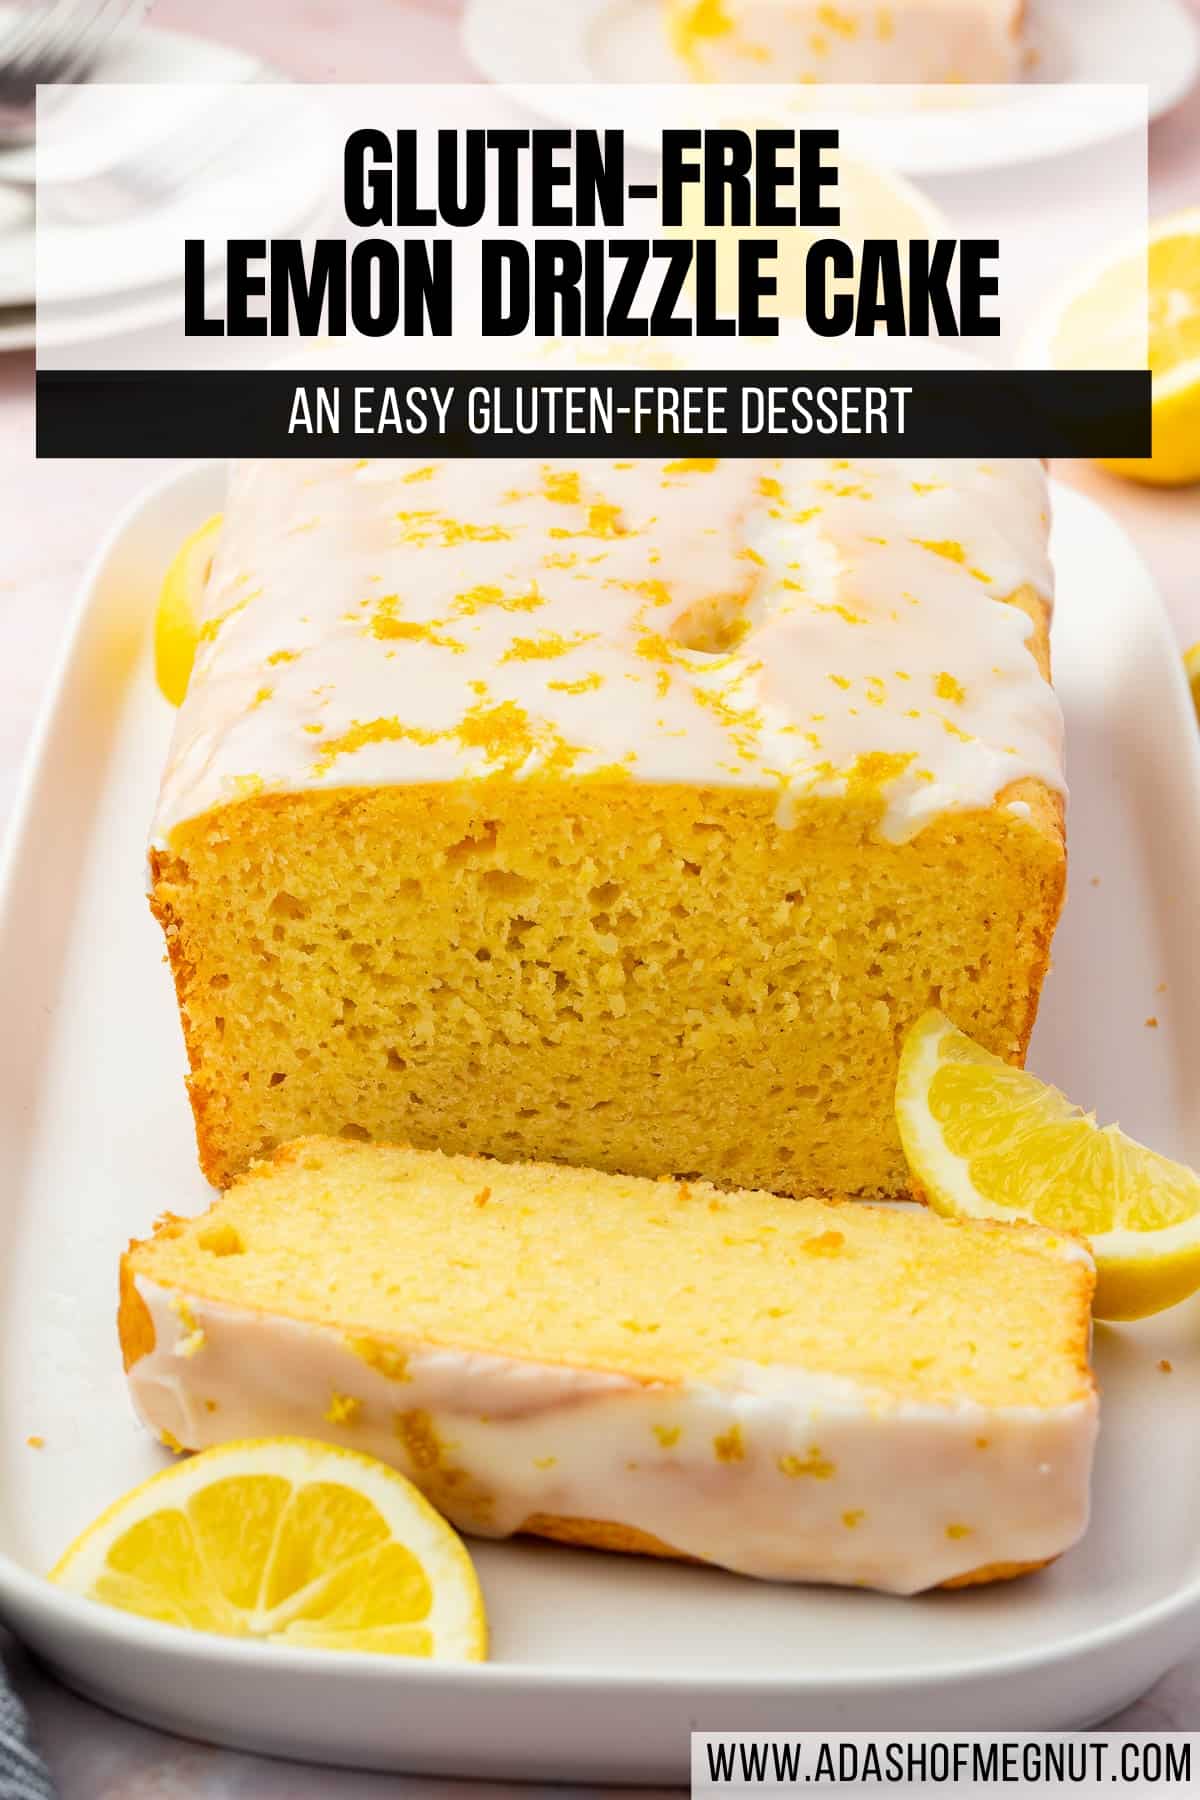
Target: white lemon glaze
712,622
779,1473
850,41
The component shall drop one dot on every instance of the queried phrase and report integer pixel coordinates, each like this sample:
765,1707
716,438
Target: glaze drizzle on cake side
623,813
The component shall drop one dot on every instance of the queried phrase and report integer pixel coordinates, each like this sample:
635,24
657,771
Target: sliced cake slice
853,41
798,1390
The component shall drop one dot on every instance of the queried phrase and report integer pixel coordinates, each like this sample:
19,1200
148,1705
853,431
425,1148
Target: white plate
1155,43
270,168
103,322
601,1663
87,132
140,54
18,328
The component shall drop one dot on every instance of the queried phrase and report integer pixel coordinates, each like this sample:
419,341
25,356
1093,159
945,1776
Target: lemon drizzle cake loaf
800,1390
624,814
853,41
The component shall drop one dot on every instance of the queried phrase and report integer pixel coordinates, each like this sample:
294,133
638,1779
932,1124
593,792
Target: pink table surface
53,515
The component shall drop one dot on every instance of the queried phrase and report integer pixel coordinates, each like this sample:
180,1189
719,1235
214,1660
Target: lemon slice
1191,663
987,1141
1141,299
291,1541
176,632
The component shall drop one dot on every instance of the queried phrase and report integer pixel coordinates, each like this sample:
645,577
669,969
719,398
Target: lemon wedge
1141,300
1191,663
290,1541
176,632
987,1141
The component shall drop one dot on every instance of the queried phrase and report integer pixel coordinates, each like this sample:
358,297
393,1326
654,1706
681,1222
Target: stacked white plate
108,258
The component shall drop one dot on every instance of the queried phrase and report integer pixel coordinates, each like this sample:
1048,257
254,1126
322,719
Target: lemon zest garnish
729,1446
813,1463
343,1409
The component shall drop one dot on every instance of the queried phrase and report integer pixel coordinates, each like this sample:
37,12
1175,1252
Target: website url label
731,1764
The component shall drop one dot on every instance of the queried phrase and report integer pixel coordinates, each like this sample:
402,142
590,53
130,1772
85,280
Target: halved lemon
987,1141
290,1541
1137,307
1191,662
176,632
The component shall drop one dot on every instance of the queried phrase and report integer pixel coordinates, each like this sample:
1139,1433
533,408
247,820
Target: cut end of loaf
640,979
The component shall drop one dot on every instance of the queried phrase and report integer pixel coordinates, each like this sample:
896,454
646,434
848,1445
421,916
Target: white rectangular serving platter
601,1665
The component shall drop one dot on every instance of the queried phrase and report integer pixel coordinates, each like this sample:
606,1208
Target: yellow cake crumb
825,1243
220,1239
631,1048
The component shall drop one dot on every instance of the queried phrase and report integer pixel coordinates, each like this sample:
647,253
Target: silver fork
52,43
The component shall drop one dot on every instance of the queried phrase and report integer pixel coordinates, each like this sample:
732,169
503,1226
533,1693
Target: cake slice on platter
796,1390
913,41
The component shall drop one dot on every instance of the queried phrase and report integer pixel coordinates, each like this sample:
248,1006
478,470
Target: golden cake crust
599,1534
